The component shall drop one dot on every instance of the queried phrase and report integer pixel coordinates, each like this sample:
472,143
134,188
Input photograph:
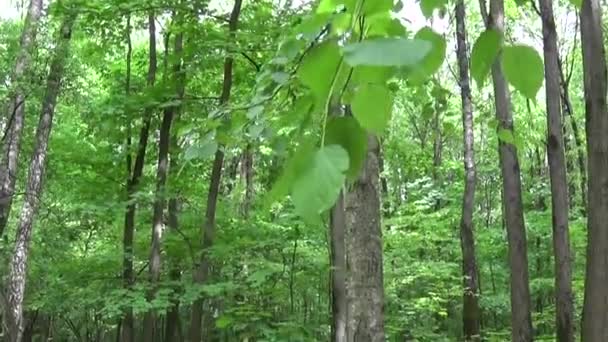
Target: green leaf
318,69
223,322
346,132
386,52
484,54
297,163
429,6
523,68
330,6
317,189
372,106
506,136
433,60
577,3
202,151
376,6
384,25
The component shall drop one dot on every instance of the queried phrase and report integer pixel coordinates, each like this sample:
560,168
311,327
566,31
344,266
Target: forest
303,170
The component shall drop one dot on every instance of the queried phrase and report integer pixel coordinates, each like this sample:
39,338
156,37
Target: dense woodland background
278,170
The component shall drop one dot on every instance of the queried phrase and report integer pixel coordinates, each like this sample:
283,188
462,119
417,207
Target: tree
559,184
595,313
18,264
208,227
15,115
521,319
471,314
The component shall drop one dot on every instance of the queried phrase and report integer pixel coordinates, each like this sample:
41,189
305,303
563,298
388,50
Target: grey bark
18,263
338,270
471,314
364,277
521,318
150,321
127,333
559,185
15,115
595,307
201,274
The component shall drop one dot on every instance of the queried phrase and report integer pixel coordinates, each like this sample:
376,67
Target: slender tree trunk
173,330
559,185
364,282
578,142
521,318
208,228
128,332
247,176
18,263
126,327
471,314
15,114
151,328
595,307
338,271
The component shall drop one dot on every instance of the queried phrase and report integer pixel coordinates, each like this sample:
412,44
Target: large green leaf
484,54
317,189
318,69
386,52
523,68
372,106
433,60
346,132
429,6
295,166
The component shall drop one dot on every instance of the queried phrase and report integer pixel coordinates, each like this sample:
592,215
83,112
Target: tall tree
208,228
18,263
595,307
559,184
471,314
135,173
150,328
521,318
15,115
363,242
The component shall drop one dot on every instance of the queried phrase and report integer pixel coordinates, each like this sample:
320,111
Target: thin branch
255,64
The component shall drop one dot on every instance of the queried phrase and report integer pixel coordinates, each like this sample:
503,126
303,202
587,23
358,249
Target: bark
127,333
559,184
471,314
173,330
521,320
18,263
15,114
150,322
208,228
595,307
247,176
364,283
338,271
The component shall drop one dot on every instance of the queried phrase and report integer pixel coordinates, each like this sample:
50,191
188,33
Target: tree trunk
150,324
127,333
471,314
173,330
521,319
559,185
595,307
208,229
247,176
578,142
338,271
364,283
18,263
15,114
